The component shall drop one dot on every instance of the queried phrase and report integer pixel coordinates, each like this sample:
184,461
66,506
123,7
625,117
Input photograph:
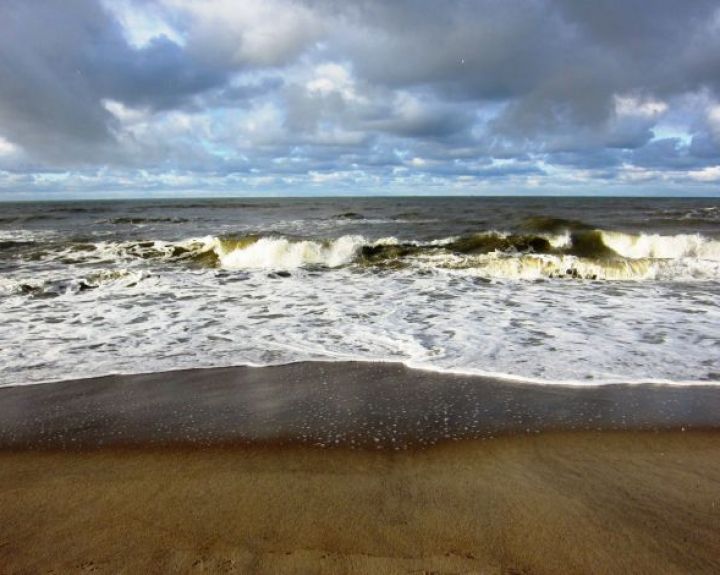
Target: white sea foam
501,266
663,247
21,235
119,307
281,253
559,241
447,321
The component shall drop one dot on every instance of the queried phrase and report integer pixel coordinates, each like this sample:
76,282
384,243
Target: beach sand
222,471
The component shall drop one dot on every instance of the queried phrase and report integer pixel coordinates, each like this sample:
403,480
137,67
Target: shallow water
546,289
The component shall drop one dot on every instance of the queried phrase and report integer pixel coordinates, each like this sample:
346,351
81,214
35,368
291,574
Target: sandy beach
368,287
223,471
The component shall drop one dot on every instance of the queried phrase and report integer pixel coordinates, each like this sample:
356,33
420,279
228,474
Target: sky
359,97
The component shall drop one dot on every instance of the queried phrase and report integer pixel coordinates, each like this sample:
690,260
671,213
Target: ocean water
550,290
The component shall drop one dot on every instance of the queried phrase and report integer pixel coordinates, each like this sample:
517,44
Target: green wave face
589,244
586,244
552,225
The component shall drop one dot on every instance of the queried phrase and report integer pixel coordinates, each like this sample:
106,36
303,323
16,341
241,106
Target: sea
578,291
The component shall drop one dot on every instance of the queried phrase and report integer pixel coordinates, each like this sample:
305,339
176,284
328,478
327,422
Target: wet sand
352,404
222,471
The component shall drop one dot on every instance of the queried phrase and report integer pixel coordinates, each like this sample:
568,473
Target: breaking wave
662,247
283,253
575,253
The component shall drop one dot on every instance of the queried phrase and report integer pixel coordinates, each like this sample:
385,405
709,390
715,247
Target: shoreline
353,404
508,378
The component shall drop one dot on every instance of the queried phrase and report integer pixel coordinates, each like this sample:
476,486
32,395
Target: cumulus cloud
7,148
360,93
709,174
248,33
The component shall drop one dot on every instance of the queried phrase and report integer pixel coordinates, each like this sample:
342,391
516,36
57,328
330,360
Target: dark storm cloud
59,60
489,88
561,50
159,76
433,123
558,64
479,50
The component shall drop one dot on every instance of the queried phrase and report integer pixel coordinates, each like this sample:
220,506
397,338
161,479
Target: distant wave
142,220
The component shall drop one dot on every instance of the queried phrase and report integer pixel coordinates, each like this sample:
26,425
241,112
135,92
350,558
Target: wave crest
662,247
253,252
573,254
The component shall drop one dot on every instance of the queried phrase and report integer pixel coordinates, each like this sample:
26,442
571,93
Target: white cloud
7,148
332,78
713,118
409,107
639,107
335,136
709,174
262,124
635,174
257,32
141,22
320,177
124,113
173,136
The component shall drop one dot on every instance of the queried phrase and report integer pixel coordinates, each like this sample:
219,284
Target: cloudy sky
268,97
